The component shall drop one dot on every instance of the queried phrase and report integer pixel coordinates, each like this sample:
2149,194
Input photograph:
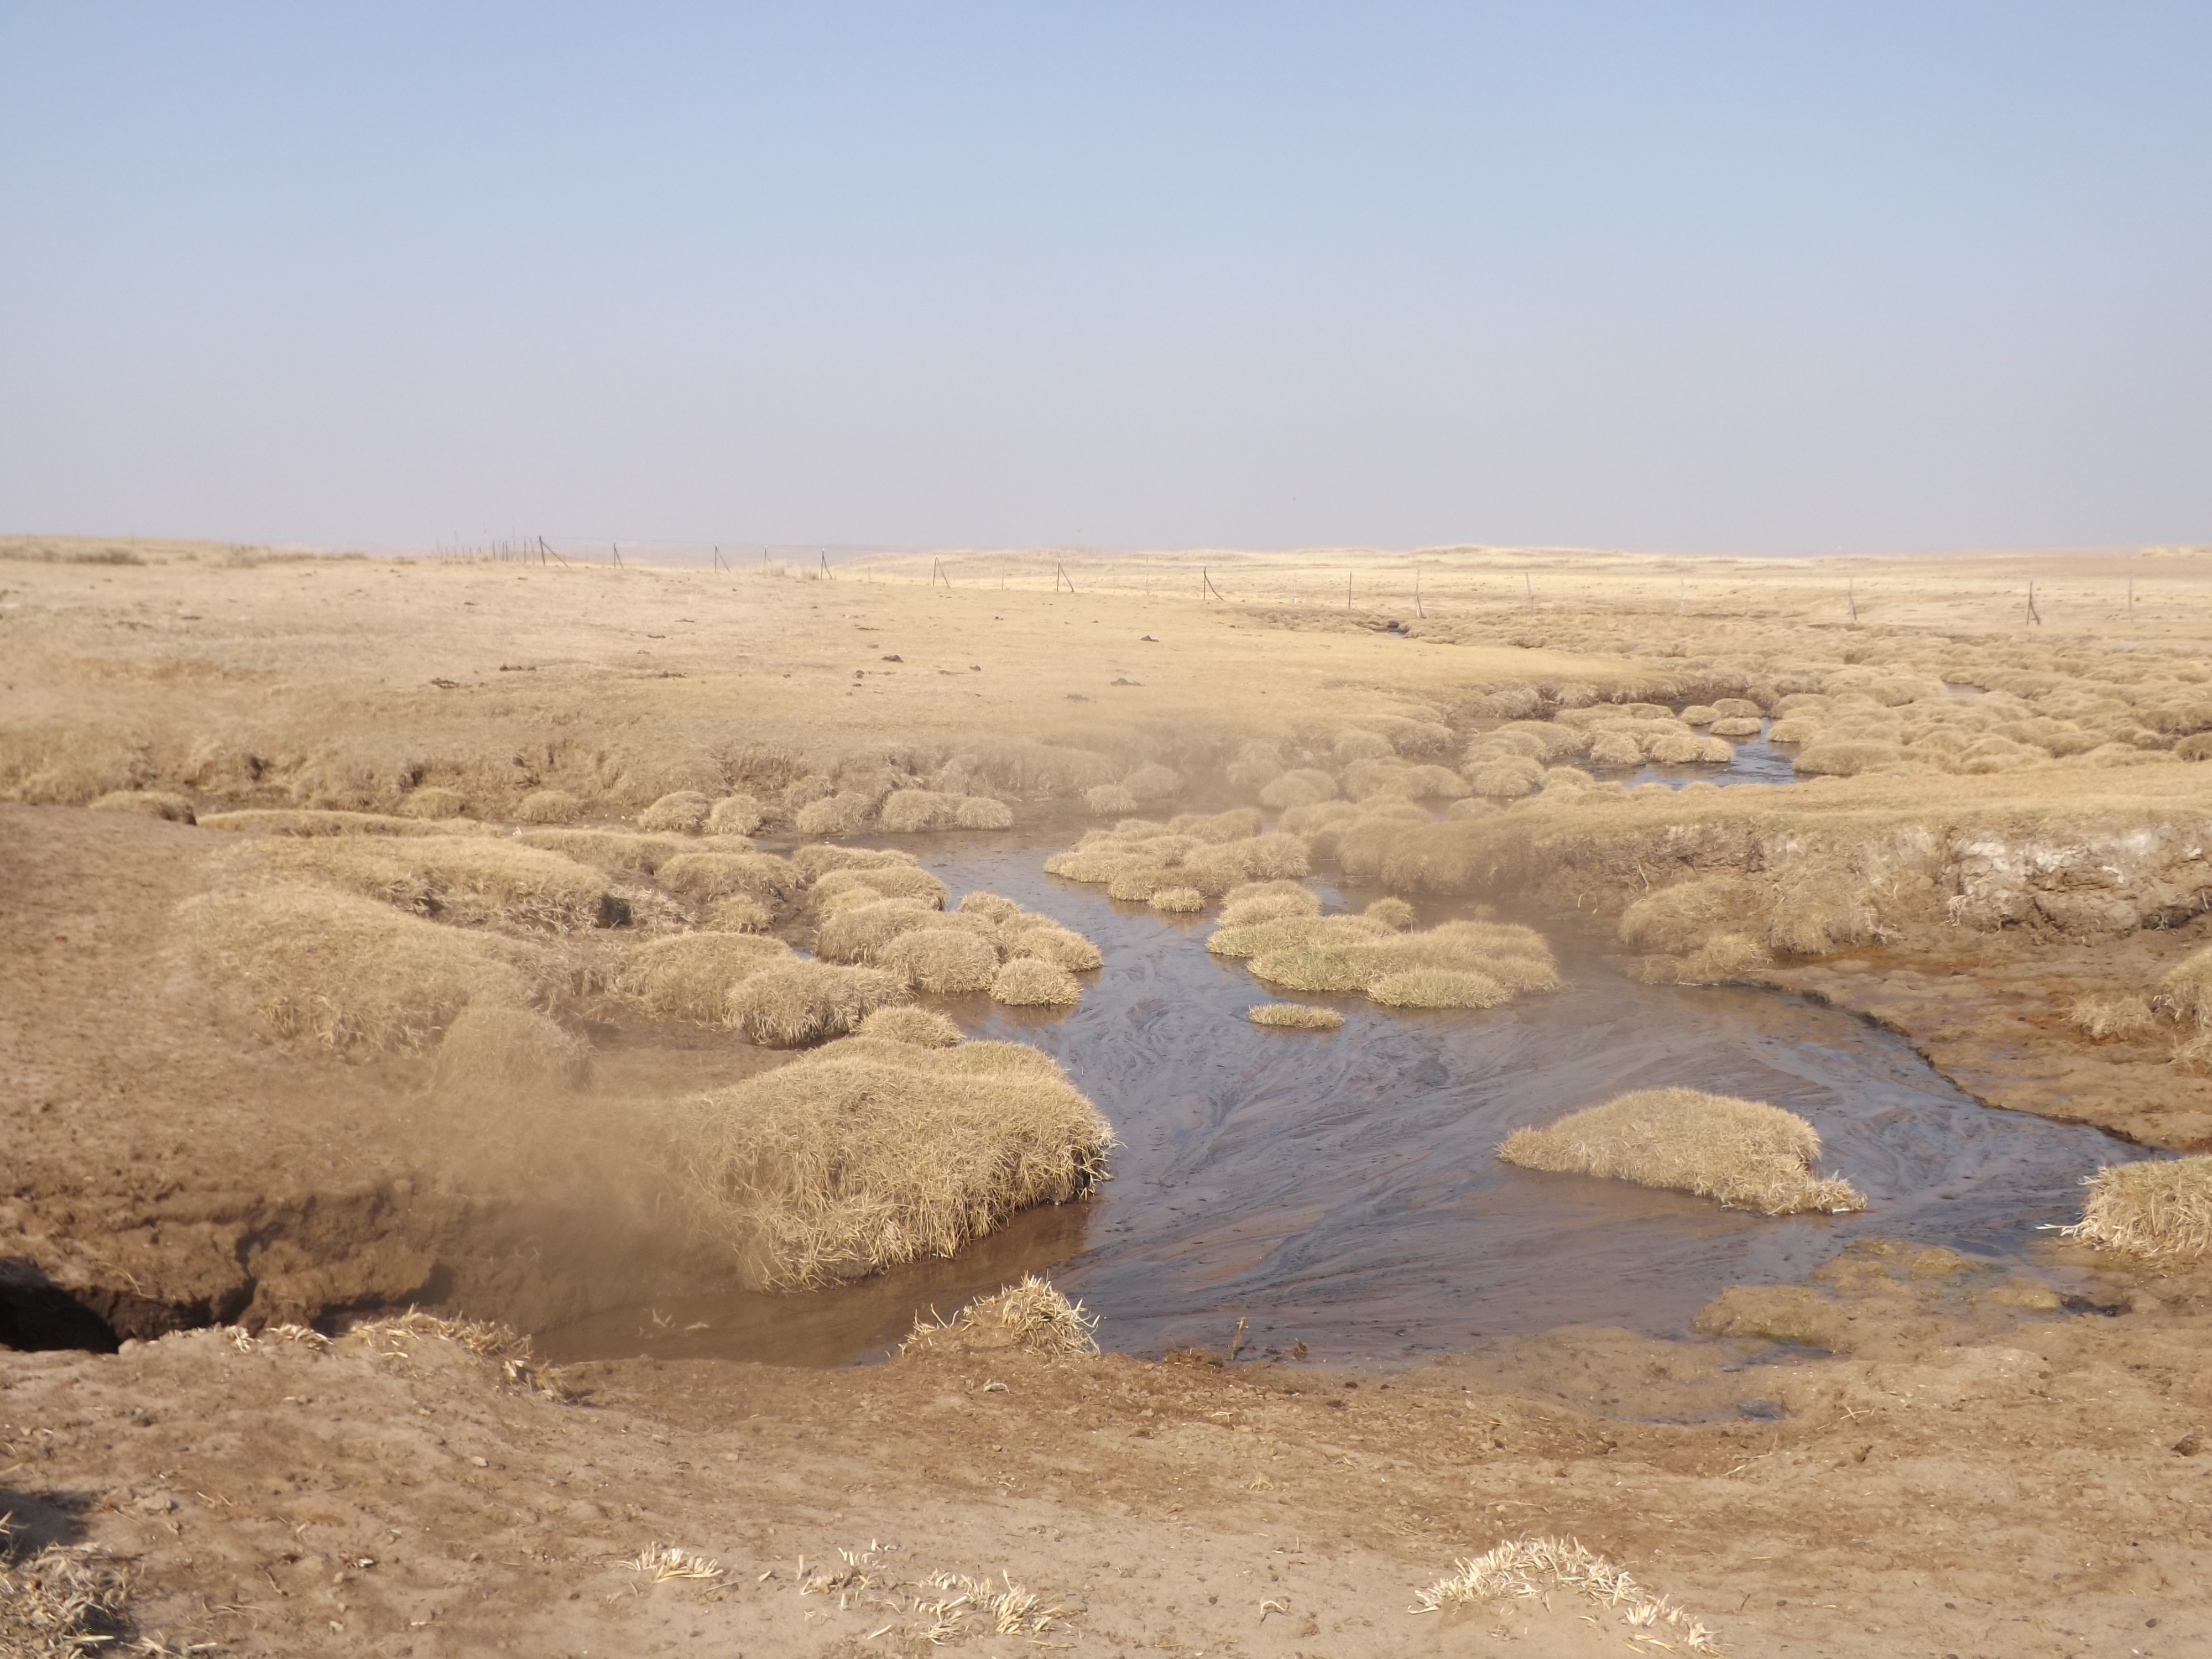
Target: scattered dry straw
1031,1315
1747,1154
1295,1016
1531,1568
871,1152
64,1599
2159,1209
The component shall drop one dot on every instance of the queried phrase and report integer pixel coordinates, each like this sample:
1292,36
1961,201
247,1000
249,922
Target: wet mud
1339,1190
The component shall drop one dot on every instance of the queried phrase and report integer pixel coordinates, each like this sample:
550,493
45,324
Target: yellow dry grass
1030,935
1295,1016
924,1027
1177,901
1032,1315
1456,964
690,976
1747,1153
507,1052
684,812
615,851
471,880
704,878
2111,1017
155,803
892,881
297,821
942,961
349,974
1035,982
2159,1210
870,1152
803,1002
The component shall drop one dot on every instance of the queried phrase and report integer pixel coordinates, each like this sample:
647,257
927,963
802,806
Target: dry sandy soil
1912,1453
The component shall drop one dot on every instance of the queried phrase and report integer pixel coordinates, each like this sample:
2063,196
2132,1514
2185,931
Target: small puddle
1340,1190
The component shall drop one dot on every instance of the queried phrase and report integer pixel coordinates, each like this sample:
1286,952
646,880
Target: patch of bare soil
1971,1471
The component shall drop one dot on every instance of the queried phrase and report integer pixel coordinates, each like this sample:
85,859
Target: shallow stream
1339,1189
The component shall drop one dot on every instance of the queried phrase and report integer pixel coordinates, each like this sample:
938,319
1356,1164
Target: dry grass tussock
2186,990
2159,1210
1034,982
705,876
1531,1569
1032,1315
1295,1017
1747,1153
942,961
911,811
474,881
615,851
1177,901
2119,1017
488,1050
1269,901
891,881
1210,856
803,1002
58,1601
924,1027
300,821
352,975
682,810
871,1152
1456,964
690,976
155,803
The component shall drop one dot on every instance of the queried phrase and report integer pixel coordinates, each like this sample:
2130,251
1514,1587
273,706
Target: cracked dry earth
1974,1471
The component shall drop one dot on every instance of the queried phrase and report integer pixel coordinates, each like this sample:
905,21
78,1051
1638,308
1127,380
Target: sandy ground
1911,1454
1968,1476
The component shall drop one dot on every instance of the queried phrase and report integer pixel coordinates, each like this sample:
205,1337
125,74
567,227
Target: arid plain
482,936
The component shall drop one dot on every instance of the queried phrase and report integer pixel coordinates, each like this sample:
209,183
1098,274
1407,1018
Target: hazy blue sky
1639,275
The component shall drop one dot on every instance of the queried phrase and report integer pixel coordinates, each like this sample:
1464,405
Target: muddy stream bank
1339,1190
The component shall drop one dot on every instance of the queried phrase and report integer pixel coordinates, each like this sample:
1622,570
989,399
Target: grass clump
433,800
682,812
615,851
2159,1210
818,859
1032,1315
1456,964
1295,1017
871,1153
493,1050
349,974
690,976
303,821
704,878
735,815
1034,982
1438,988
548,806
923,1027
1040,937
1177,901
1747,1153
471,880
944,961
802,1002
155,803
1268,901
891,881
2113,1018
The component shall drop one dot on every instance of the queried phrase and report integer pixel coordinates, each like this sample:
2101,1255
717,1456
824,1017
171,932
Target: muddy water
1339,1189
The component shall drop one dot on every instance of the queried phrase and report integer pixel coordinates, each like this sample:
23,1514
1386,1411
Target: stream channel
1341,1188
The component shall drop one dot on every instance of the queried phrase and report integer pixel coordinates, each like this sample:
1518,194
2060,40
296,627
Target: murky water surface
1339,1189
